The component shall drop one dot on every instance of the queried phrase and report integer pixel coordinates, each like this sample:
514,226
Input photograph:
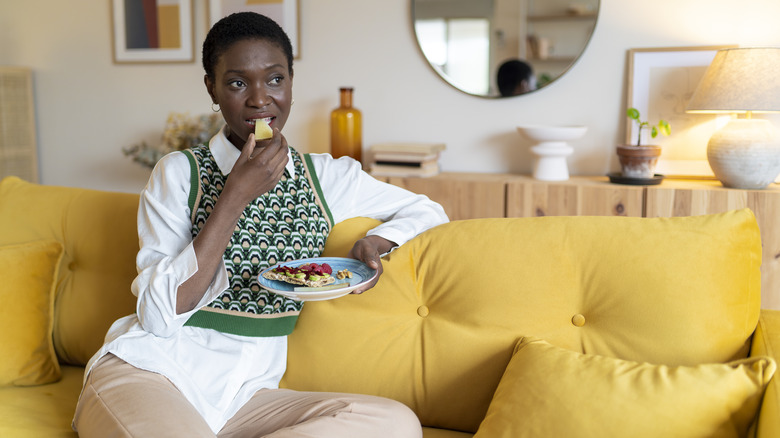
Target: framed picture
152,31
661,82
284,12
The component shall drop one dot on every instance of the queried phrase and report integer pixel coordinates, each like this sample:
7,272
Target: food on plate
307,274
262,130
344,273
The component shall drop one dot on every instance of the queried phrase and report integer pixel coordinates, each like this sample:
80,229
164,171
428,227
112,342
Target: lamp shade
738,81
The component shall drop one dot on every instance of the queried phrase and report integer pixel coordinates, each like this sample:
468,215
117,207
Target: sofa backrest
438,330
98,232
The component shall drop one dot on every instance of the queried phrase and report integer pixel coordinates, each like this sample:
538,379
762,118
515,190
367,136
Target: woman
196,360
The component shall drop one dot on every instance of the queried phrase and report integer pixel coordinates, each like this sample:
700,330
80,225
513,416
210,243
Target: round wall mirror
502,48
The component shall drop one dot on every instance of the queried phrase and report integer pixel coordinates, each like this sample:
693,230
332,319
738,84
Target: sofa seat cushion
454,301
41,411
29,275
550,391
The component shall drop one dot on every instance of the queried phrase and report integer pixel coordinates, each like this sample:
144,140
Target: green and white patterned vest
288,223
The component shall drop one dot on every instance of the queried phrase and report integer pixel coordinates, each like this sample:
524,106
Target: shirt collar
226,154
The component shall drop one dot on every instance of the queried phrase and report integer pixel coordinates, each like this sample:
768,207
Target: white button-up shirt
219,372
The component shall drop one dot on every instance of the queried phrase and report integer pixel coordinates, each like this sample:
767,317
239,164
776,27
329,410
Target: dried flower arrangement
182,131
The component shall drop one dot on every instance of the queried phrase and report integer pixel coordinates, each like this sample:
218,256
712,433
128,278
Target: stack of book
405,159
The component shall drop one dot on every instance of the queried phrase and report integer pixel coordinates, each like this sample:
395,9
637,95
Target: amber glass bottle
345,128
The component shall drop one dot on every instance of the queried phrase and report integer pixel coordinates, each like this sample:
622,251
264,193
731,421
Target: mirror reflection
502,48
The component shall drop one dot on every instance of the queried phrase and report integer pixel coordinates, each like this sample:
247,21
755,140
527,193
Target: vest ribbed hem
257,327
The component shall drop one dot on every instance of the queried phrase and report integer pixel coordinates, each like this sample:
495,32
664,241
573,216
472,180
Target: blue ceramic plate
361,274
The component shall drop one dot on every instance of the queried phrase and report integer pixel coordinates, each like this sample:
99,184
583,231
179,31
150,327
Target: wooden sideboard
476,195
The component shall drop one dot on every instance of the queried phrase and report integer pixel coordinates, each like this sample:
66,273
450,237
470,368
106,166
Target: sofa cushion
29,273
98,233
549,391
453,302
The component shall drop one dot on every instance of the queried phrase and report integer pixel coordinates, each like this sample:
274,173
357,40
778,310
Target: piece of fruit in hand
262,130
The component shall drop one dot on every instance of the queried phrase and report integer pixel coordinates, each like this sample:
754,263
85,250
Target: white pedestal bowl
551,149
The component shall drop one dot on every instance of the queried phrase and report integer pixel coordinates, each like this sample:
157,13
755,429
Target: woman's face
251,81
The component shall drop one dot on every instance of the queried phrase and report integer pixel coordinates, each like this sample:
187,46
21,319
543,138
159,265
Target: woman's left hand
369,250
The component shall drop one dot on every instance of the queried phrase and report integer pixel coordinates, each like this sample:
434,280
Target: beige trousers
120,400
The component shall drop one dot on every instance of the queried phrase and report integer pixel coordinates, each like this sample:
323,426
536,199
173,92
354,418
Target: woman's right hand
258,169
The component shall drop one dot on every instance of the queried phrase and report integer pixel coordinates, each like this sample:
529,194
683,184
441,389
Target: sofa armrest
766,342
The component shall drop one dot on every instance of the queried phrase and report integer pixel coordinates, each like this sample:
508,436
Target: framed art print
661,81
284,12
152,31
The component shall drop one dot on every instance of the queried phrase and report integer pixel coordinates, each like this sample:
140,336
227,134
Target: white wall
89,108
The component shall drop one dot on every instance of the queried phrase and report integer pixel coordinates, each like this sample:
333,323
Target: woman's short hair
239,27
510,74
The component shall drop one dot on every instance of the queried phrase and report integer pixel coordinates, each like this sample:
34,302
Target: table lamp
745,153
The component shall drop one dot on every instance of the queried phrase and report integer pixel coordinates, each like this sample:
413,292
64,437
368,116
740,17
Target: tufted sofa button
423,311
578,320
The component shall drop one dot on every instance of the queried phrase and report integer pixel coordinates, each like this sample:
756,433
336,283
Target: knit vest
288,223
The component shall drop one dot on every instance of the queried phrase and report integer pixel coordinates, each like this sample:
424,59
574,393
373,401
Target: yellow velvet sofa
555,326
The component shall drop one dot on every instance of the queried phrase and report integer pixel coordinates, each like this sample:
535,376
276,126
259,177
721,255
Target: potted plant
638,160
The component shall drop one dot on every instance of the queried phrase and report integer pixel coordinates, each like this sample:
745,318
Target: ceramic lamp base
745,154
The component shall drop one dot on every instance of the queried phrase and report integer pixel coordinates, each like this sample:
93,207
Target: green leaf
654,132
664,127
633,114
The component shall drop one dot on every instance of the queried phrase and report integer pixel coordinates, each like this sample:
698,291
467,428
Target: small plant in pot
638,160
